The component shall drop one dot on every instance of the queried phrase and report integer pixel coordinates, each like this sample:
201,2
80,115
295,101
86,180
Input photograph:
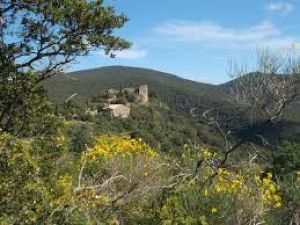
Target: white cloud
203,31
210,34
131,54
282,7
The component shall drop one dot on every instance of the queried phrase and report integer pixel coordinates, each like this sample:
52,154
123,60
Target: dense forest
193,154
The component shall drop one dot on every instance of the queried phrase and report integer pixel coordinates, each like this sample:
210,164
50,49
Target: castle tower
143,95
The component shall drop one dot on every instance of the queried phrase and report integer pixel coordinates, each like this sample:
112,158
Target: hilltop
89,83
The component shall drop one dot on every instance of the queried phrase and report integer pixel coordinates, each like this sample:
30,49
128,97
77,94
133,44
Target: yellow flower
276,198
214,210
269,176
266,182
65,181
236,184
272,188
257,178
60,140
222,171
219,188
267,197
206,153
205,192
113,146
277,205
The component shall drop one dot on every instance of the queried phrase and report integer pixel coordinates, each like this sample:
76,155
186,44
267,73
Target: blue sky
195,39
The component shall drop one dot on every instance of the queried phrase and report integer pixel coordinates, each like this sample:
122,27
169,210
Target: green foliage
80,135
28,179
286,166
156,125
52,33
122,180
24,108
290,191
286,159
37,39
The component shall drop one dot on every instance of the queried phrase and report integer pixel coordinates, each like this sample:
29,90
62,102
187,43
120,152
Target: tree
52,33
39,38
261,97
286,159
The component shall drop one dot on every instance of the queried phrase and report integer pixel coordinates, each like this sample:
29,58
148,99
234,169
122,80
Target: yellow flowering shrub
239,194
60,140
30,186
118,172
173,213
65,182
108,147
270,193
125,181
206,153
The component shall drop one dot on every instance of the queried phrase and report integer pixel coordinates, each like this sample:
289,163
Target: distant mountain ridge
88,83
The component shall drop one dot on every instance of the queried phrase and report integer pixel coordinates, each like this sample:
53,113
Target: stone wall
140,91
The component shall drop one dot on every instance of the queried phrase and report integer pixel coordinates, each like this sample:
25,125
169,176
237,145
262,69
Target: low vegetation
124,181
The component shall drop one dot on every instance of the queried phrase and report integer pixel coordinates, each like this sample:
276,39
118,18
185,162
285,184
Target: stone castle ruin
143,94
140,91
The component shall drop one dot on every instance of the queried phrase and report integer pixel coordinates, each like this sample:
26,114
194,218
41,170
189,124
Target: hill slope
177,93
90,83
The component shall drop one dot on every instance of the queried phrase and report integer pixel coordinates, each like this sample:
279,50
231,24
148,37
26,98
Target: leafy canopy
45,35
38,38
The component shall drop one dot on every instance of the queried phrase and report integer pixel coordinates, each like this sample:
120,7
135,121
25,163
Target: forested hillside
180,95
166,87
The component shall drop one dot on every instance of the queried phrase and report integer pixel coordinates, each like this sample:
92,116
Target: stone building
140,91
123,110
118,110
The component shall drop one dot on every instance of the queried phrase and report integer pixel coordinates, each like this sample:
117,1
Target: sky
195,39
